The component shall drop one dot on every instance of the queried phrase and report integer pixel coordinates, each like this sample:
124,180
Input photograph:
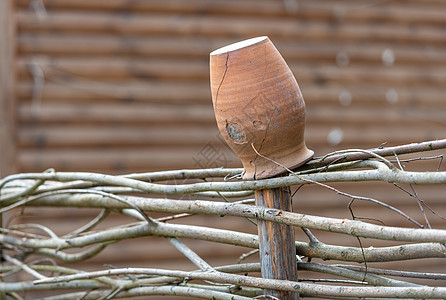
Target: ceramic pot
257,103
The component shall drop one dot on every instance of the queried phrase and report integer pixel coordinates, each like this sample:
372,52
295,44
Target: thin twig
226,200
24,267
420,205
90,225
424,203
359,240
420,275
382,151
191,255
310,235
360,276
246,255
343,193
78,191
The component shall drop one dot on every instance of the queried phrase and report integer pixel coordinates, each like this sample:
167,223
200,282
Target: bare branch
191,255
178,290
381,174
345,226
284,285
320,250
24,267
384,151
71,257
421,275
93,223
361,276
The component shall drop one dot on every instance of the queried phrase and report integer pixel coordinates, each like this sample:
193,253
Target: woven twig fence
138,196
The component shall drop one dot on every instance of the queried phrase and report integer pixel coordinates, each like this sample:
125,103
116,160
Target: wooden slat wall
126,83
122,86
7,99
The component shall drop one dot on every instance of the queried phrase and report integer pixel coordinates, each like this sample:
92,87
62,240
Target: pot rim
239,45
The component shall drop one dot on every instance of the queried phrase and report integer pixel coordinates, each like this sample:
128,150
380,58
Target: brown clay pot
257,103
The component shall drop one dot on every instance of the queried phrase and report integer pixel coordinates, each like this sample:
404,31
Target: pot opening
239,45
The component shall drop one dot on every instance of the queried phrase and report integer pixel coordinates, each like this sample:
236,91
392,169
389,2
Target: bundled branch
137,196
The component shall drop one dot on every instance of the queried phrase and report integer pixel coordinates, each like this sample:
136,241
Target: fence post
277,248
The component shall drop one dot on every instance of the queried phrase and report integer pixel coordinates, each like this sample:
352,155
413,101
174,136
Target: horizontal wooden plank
357,74
198,69
105,158
118,68
115,44
118,136
193,46
395,11
145,91
146,5
116,113
119,160
59,89
174,115
366,136
391,12
158,24
245,7
384,115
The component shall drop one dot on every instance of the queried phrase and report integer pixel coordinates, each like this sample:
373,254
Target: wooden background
122,86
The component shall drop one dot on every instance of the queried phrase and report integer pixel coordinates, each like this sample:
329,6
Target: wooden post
277,247
7,115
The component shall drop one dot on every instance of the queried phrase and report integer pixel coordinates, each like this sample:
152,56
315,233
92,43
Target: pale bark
117,193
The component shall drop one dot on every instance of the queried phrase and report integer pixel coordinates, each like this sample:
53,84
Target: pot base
263,168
